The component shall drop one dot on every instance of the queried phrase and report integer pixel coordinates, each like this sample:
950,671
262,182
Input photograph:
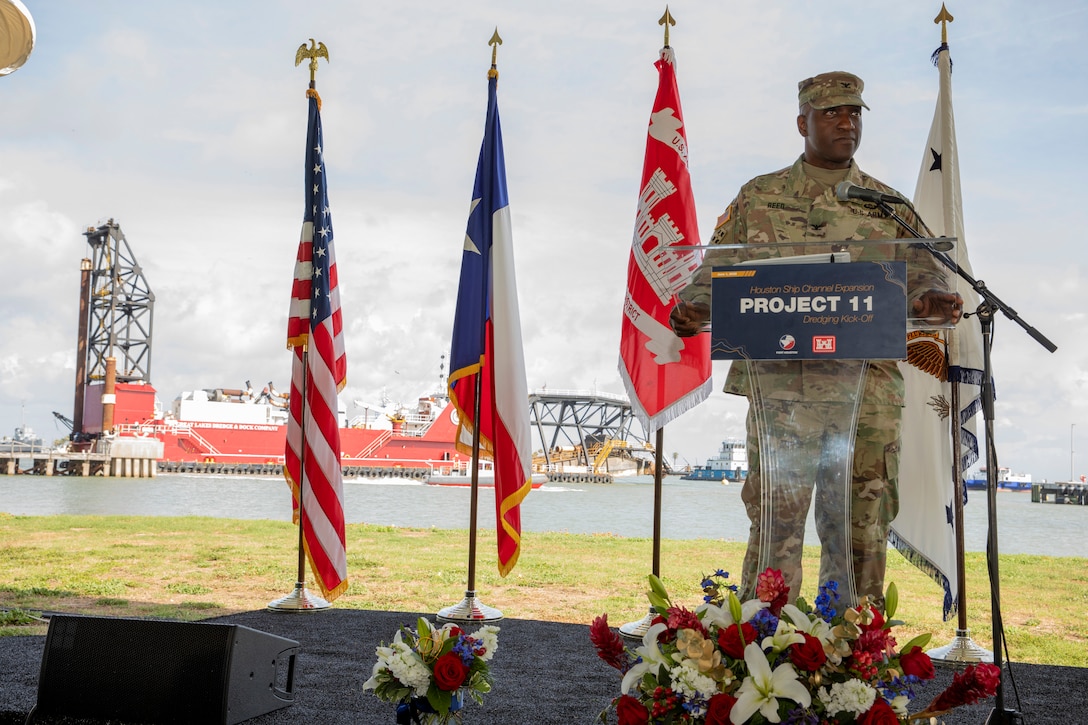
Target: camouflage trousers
815,435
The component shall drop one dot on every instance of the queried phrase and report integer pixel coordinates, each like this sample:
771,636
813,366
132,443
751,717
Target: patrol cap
828,90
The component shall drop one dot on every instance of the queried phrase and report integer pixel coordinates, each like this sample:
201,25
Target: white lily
784,635
651,656
812,625
761,688
723,618
799,619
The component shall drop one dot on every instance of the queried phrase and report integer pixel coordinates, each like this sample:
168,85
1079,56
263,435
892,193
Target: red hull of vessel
204,441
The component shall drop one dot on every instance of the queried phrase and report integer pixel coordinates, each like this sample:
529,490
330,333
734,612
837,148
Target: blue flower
801,716
765,623
826,599
465,651
899,686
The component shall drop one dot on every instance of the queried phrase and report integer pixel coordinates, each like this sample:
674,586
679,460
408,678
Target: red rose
730,642
718,709
917,663
808,656
449,672
881,713
630,711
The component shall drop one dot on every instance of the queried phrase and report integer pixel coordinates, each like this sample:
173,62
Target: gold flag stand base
961,649
635,631
469,609
299,600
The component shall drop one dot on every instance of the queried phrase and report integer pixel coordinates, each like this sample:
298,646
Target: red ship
222,430
235,431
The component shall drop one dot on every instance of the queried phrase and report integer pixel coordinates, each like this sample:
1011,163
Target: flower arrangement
768,661
427,670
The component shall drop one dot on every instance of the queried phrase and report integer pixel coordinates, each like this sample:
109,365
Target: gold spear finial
495,42
944,18
315,51
667,19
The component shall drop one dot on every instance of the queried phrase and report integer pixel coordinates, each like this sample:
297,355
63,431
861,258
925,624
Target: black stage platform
545,672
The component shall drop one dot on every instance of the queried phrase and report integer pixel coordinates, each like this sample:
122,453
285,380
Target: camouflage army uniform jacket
788,206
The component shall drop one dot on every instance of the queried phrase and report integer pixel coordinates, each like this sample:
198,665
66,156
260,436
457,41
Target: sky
188,129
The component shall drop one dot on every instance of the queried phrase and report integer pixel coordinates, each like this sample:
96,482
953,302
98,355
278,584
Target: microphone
845,191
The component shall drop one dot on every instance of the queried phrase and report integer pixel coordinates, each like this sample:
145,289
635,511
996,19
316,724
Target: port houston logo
787,342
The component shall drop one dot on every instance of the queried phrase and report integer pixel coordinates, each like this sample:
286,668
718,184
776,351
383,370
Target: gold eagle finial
667,19
315,51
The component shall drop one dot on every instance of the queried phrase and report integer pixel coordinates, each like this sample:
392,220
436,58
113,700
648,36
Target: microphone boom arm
989,299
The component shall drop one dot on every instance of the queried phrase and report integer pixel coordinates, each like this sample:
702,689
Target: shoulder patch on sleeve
725,217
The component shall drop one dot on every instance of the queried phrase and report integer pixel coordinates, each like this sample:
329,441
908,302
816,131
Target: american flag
315,334
487,343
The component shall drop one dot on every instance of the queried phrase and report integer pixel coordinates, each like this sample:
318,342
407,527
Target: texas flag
487,354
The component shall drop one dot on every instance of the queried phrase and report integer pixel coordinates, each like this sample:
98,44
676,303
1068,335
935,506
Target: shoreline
193,568
689,509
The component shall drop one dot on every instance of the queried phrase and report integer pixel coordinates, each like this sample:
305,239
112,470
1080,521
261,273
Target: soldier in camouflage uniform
799,204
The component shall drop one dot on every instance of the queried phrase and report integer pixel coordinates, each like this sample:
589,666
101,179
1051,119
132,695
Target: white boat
975,480
461,476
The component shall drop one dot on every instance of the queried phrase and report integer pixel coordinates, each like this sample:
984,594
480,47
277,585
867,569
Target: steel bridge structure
583,427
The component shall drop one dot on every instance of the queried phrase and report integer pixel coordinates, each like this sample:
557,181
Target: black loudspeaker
150,671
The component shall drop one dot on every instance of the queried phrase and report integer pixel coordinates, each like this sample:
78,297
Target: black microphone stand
988,305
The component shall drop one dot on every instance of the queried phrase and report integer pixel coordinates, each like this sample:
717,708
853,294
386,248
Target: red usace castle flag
664,374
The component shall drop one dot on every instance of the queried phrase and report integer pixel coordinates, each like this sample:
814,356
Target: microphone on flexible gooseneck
845,191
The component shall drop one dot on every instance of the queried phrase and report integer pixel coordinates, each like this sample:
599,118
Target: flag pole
300,599
470,608
659,444
635,630
962,648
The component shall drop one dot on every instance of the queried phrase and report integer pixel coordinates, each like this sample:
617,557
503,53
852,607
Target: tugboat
729,466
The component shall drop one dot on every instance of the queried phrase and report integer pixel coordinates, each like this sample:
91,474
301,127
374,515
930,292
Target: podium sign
850,311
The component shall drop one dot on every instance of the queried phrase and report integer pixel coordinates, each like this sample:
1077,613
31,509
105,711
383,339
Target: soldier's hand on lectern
938,306
688,319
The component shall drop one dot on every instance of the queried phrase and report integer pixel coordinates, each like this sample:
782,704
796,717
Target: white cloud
189,131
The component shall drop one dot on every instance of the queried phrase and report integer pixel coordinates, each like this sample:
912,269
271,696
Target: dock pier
54,463
119,458
1059,492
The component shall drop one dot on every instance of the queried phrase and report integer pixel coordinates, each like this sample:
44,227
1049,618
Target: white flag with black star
924,529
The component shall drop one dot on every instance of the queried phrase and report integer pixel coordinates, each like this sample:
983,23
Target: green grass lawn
192,568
